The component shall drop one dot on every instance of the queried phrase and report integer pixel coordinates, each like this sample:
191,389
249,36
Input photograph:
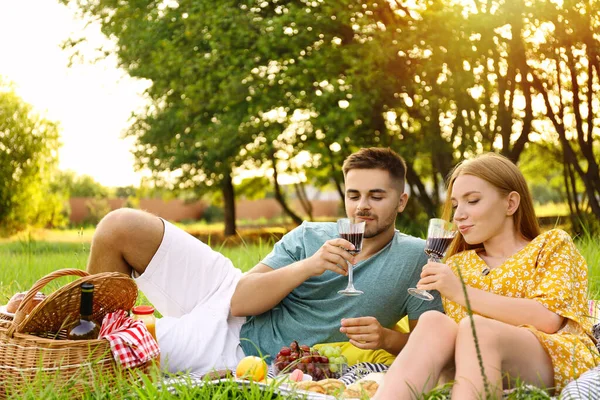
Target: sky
91,102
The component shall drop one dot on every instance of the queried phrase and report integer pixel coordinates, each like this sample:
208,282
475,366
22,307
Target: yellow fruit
251,367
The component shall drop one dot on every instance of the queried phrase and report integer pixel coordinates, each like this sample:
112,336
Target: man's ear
513,201
402,202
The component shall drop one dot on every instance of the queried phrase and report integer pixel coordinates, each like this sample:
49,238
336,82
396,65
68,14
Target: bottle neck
87,301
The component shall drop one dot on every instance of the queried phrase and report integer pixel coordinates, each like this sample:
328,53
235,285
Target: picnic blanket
585,388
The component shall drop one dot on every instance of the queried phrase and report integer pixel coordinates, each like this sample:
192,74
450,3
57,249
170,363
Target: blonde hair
501,173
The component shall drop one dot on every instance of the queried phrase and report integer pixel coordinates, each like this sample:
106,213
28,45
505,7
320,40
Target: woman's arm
512,310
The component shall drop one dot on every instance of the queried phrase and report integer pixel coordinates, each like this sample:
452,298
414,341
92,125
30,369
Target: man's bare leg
125,241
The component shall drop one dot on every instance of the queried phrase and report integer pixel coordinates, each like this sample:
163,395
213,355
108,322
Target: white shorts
191,285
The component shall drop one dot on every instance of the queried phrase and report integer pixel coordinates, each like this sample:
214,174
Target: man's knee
114,222
118,224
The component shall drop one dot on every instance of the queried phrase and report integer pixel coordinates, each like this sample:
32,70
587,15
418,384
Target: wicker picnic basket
34,346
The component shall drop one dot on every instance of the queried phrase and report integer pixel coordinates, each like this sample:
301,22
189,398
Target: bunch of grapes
334,354
307,360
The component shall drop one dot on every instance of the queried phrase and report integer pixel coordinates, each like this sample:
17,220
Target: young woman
527,291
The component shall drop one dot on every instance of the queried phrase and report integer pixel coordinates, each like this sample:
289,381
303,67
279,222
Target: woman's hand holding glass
440,234
440,277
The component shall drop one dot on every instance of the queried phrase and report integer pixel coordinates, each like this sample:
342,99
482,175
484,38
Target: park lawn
24,260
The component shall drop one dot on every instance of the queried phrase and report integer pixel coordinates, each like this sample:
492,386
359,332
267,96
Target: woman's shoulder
557,242
460,257
554,236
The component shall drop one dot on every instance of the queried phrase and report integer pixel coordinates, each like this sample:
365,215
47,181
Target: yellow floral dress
551,271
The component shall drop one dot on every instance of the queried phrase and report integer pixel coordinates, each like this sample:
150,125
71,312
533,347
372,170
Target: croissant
310,386
332,386
357,389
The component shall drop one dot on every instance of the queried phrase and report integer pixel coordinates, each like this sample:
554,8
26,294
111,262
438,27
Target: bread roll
357,389
15,302
370,387
351,393
373,376
332,386
310,386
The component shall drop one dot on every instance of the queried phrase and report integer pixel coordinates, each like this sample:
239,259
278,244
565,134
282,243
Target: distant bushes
244,236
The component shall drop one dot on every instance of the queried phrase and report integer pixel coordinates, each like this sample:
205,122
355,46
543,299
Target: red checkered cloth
131,343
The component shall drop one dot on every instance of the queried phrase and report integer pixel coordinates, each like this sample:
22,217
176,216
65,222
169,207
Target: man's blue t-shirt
313,311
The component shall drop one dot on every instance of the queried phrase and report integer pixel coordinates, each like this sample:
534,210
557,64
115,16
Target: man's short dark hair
378,158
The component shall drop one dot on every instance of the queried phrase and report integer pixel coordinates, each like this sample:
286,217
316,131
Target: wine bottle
86,328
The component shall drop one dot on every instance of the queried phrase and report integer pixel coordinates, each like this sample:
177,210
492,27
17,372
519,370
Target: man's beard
382,228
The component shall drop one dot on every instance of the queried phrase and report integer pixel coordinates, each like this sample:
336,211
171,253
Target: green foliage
28,159
97,209
255,188
267,83
543,168
80,185
125,191
212,214
413,220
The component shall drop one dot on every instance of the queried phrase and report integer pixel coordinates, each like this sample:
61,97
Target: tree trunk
571,191
229,204
422,196
339,188
590,178
304,200
280,197
335,176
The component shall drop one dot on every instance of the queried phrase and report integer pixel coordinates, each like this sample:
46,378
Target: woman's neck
504,244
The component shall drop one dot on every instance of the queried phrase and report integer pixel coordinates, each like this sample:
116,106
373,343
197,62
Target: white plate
3,311
283,390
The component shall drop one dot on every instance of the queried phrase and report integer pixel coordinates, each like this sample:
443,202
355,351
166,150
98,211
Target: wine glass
440,234
354,233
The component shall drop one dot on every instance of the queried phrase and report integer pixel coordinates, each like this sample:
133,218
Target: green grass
24,259
552,210
145,387
590,249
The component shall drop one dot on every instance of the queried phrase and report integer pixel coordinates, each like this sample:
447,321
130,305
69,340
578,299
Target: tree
28,158
196,54
258,83
566,75
80,185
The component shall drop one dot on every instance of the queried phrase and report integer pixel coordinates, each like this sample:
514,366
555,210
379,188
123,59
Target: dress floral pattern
550,270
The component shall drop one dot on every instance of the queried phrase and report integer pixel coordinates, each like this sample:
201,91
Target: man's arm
367,333
263,287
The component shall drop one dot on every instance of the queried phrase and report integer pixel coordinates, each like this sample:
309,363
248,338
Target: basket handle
20,313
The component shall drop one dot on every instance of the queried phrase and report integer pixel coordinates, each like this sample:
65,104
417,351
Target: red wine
356,239
437,246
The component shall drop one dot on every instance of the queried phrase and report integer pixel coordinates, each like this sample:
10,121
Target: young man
213,315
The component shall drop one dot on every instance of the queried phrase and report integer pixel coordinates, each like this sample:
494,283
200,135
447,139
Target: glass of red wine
440,234
354,233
